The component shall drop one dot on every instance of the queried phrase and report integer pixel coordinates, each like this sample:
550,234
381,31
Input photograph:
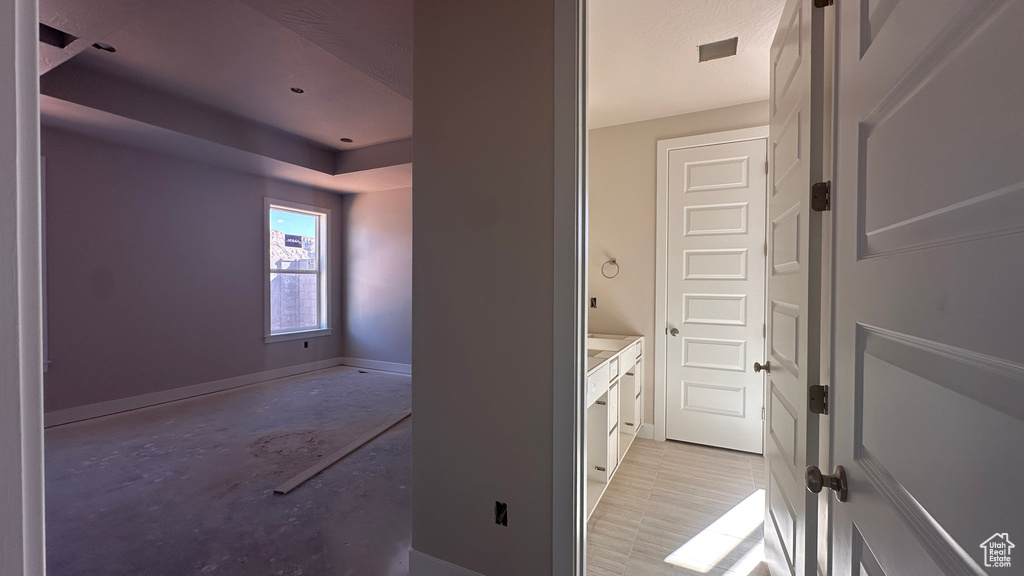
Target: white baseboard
646,431
378,365
66,416
421,564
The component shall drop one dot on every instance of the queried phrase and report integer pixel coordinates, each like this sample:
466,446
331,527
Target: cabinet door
613,451
613,406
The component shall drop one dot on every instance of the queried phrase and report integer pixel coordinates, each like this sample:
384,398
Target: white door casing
929,325
793,317
22,532
715,294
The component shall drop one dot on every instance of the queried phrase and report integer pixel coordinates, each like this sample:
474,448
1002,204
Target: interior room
678,113
181,122
228,221
769,327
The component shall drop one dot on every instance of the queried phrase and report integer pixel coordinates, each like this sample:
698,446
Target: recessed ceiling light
715,50
102,46
297,90
346,140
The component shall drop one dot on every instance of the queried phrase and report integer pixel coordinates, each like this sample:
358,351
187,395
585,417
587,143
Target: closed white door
794,276
929,327
716,243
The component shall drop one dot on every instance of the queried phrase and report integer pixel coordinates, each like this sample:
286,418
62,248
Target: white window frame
323,240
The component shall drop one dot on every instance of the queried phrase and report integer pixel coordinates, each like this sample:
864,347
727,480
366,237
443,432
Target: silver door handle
674,332
767,366
835,482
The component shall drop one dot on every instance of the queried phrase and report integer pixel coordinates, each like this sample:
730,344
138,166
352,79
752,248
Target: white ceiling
352,58
643,56
228,55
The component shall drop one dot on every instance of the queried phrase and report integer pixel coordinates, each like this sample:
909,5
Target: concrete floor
187,487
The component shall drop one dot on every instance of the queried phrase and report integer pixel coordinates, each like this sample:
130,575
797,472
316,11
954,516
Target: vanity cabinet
615,400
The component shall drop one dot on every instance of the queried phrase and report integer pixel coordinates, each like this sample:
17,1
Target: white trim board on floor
421,564
377,365
661,252
89,411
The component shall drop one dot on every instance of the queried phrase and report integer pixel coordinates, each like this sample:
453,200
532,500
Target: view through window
296,268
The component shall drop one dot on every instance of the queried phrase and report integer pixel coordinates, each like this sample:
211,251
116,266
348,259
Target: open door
793,306
929,327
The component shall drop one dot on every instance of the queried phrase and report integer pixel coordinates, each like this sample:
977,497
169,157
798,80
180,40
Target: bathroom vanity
615,406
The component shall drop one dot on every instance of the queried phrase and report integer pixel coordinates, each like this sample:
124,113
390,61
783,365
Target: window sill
296,335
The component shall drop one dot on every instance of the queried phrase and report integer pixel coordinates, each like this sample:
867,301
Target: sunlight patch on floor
708,548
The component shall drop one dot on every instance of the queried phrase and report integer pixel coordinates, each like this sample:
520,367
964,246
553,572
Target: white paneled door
929,269
715,293
794,275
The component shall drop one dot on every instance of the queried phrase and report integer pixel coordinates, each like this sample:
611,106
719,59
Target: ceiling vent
720,49
53,37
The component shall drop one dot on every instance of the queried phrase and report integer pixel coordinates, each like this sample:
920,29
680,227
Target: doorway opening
688,277
228,286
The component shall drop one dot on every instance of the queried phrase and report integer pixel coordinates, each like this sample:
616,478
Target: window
296,273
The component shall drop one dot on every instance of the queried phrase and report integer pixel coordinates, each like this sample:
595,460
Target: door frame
661,256
21,357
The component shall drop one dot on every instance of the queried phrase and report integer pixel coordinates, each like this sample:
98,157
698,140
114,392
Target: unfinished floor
187,487
680,509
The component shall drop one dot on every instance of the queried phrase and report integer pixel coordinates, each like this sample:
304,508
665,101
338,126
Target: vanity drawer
597,383
639,346
627,359
638,417
613,368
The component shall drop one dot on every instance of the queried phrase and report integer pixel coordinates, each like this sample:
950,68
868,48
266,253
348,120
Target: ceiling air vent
53,37
720,49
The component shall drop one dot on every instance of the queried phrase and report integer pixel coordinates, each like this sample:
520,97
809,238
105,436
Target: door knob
767,366
674,332
835,482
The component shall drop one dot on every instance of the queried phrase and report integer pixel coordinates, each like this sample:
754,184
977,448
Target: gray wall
155,272
623,196
487,307
379,271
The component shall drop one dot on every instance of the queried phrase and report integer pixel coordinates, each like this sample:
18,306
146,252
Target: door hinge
823,3
764,330
765,248
817,399
821,196
766,167
762,413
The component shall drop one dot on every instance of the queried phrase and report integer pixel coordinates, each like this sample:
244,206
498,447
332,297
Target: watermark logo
997,550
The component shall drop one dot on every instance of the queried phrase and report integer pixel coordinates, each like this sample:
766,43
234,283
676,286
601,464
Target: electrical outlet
500,513
593,302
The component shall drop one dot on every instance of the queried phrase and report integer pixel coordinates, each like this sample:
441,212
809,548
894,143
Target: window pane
293,302
293,242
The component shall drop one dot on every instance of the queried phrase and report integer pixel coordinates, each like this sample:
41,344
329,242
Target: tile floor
666,494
